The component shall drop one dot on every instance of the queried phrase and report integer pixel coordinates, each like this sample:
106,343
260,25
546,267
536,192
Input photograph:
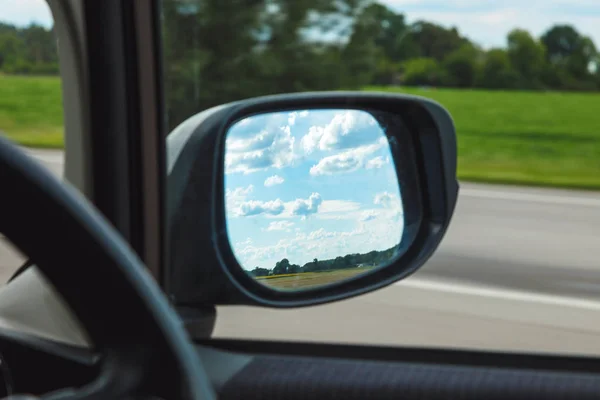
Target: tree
435,41
584,60
389,31
497,71
568,49
29,50
461,66
527,56
214,56
424,71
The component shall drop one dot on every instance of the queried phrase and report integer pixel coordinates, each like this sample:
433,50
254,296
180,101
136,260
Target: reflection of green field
310,279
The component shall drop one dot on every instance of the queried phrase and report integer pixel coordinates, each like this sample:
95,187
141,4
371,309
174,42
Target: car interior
108,304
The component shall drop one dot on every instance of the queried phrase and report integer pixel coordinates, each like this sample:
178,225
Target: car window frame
113,108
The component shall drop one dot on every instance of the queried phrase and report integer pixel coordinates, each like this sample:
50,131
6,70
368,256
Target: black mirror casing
202,268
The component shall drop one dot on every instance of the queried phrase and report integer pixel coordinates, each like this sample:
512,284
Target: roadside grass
31,110
524,138
305,280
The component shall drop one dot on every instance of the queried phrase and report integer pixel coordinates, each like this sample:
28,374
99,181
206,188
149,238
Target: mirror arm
198,321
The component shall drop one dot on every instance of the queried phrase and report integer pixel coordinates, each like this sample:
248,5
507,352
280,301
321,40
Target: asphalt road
518,270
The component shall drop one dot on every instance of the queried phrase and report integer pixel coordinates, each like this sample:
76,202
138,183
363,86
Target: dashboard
6,383
30,365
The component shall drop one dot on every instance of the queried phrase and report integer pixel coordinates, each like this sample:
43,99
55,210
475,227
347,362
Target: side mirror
296,200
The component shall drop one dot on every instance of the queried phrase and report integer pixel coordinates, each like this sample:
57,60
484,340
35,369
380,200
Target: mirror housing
203,270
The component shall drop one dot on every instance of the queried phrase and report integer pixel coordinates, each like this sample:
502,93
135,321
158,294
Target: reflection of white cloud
296,114
340,163
347,161
244,243
269,148
233,198
385,199
303,208
256,207
300,247
273,180
347,129
292,118
284,210
376,162
368,215
389,201
280,226
239,192
338,206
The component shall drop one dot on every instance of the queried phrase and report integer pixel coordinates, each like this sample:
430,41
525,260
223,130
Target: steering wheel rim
127,316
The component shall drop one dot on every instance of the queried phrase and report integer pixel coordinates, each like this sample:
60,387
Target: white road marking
497,293
529,197
480,193
48,160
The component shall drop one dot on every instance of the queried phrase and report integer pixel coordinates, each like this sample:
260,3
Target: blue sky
310,184
484,21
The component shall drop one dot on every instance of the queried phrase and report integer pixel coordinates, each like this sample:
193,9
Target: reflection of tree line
371,259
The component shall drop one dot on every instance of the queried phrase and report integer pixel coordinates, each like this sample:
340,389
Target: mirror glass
312,197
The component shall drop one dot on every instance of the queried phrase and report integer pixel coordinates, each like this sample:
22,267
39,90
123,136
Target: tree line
29,50
218,51
371,259
216,55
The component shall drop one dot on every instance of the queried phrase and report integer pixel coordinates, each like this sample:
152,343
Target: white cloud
24,12
274,180
347,129
347,161
304,208
280,226
487,22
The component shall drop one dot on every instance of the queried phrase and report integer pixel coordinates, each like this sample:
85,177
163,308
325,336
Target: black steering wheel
144,348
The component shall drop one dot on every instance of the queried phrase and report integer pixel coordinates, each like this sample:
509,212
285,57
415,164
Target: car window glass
518,269
31,110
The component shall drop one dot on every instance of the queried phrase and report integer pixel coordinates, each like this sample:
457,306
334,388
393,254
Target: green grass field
31,110
529,138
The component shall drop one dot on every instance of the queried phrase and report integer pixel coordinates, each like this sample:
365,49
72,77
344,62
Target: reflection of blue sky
310,184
